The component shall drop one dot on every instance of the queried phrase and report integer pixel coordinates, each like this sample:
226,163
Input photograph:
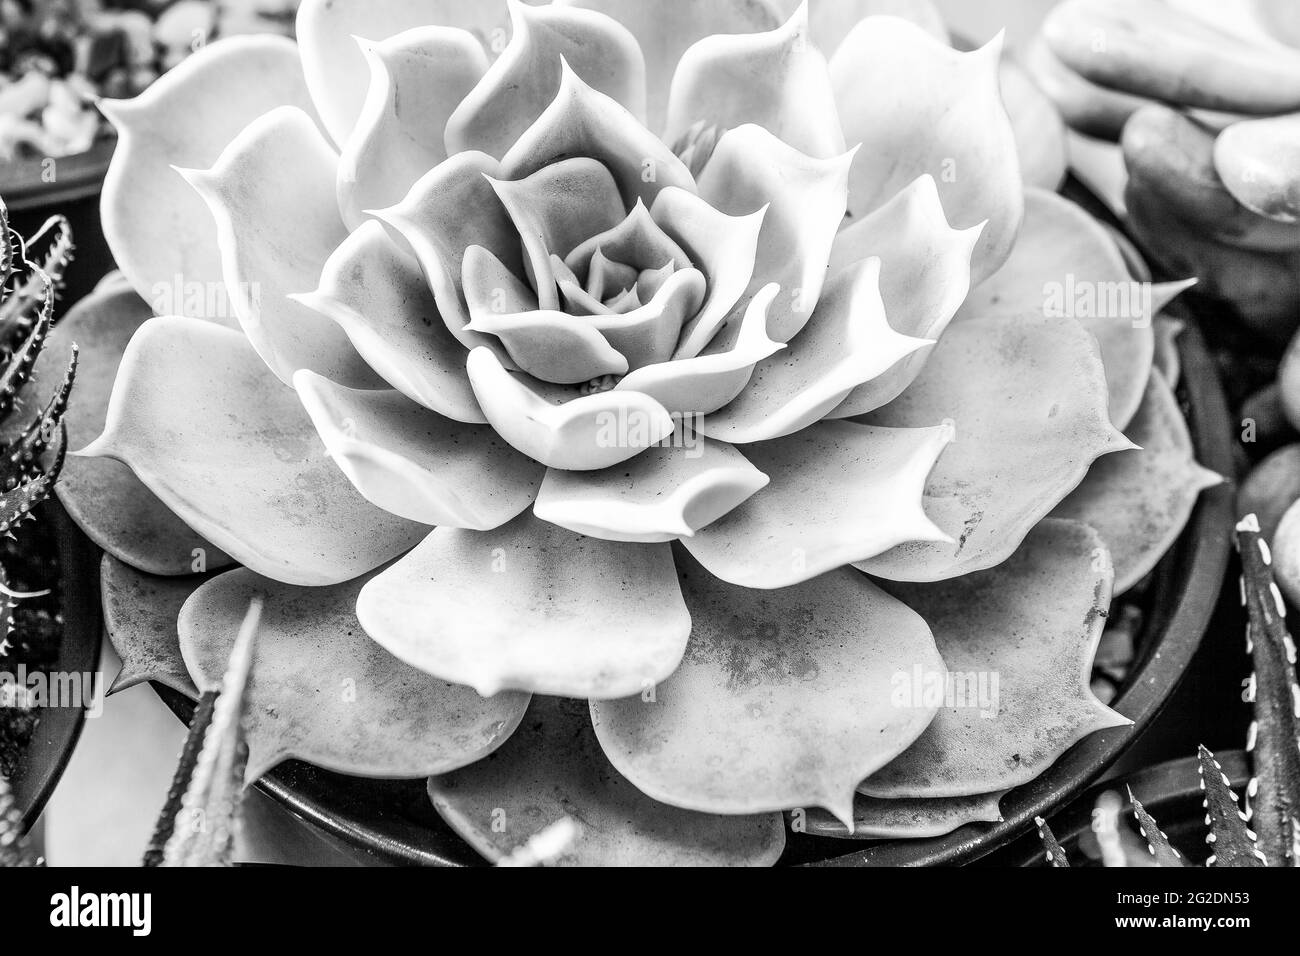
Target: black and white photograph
805,434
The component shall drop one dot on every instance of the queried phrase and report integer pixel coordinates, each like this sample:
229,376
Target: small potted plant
604,428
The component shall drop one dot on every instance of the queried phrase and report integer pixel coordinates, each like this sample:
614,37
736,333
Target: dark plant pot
74,192
1171,793
393,821
41,763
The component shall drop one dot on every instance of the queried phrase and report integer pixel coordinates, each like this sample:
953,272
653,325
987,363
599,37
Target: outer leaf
324,693
572,616
416,79
663,39
875,819
521,84
1029,399
777,80
1066,265
924,108
783,698
1018,641
202,422
140,619
334,64
105,498
1139,500
186,119
415,463
1162,851
553,767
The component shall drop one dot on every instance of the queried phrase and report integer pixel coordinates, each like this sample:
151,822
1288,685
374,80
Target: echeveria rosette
599,364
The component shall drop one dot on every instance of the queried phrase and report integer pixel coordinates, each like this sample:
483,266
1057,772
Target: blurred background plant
1186,115
58,56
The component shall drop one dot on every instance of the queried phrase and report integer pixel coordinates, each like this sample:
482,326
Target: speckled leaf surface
1018,641
553,767
784,698
104,497
1139,500
323,692
1027,395
140,612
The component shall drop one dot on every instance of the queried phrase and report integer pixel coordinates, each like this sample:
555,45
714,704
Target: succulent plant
1267,831
626,316
32,442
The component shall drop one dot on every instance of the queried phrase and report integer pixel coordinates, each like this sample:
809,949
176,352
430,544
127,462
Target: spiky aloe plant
1267,831
32,444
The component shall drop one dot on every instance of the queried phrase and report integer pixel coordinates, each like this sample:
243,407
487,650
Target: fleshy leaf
705,383
186,118
140,620
1167,360
1140,500
416,79
105,498
782,700
415,463
805,199
376,292
556,208
943,115
1037,125
583,121
665,493
1028,396
521,85
924,278
273,197
906,819
664,38
840,492
208,429
561,428
847,343
553,347
777,80
336,68
1065,264
553,767
1018,641
723,247
324,692
450,209
571,616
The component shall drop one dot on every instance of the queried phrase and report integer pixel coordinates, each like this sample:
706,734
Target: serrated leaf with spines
1274,738
19,368
1231,841
21,458
1055,852
1162,851
204,828
17,504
